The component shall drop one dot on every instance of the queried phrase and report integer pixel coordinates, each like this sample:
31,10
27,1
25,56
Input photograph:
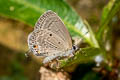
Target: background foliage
96,36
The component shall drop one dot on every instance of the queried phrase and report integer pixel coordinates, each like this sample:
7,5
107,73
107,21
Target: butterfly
50,38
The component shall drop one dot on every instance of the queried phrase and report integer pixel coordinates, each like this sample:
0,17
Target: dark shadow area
13,65
84,71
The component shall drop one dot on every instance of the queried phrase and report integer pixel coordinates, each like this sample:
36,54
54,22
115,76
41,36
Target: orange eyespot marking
35,46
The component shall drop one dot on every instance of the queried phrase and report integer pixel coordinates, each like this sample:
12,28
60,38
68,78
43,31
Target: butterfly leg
48,59
59,54
68,53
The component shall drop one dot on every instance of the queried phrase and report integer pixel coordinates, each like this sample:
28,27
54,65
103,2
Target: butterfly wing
51,22
50,34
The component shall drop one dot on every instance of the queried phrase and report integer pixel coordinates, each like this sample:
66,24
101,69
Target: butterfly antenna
27,54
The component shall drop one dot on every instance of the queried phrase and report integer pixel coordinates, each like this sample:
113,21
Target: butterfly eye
74,47
35,46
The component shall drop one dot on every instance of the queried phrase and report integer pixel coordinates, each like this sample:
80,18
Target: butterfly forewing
51,22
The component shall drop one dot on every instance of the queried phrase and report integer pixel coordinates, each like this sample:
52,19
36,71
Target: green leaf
84,55
109,12
28,11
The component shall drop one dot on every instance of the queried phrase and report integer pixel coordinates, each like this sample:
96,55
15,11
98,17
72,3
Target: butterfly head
74,47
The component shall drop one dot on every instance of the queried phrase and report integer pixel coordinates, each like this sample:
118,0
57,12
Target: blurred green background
17,18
